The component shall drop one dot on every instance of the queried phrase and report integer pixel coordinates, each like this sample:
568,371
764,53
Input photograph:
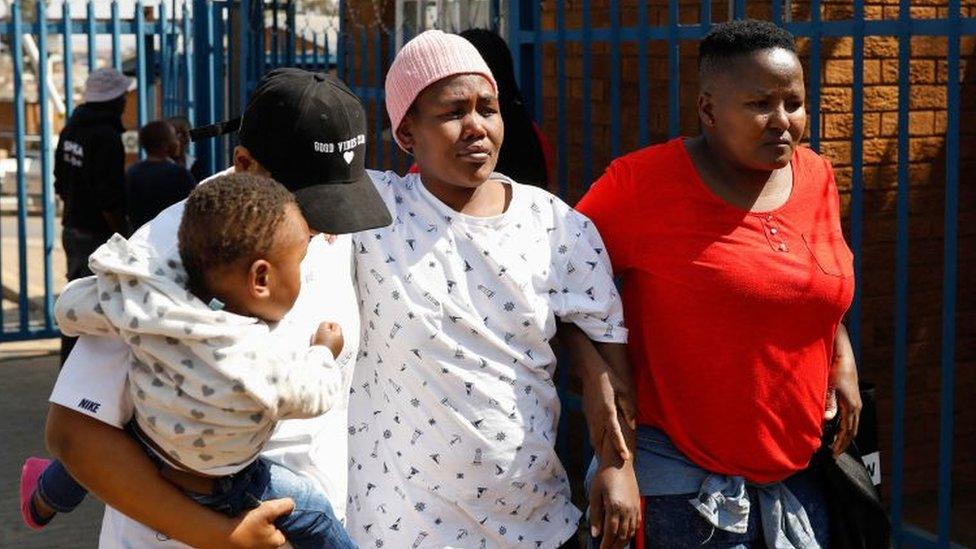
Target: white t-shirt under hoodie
453,408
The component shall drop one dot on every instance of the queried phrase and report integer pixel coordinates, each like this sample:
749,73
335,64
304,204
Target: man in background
183,157
89,166
154,184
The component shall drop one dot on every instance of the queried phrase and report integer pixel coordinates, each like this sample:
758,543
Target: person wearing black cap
292,119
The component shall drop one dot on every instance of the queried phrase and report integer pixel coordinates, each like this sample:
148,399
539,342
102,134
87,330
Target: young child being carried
208,382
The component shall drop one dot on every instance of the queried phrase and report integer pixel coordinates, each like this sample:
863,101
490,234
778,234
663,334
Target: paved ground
27,372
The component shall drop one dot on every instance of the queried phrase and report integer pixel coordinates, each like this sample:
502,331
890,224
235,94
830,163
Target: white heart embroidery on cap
348,156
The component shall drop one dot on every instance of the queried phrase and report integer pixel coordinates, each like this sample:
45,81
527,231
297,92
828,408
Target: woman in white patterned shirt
453,409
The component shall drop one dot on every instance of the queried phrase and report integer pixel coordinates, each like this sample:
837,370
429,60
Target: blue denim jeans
670,522
312,524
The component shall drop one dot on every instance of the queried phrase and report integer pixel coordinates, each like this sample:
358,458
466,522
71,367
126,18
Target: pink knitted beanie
429,57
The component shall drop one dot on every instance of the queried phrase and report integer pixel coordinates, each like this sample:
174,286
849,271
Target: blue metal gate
190,58
170,32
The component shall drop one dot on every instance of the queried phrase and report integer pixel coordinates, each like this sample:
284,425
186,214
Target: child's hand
330,335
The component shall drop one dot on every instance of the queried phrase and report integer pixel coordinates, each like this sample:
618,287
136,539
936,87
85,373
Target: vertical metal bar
514,34
949,260
615,78
261,44
220,89
363,73
244,37
494,15
378,101
857,177
164,55
315,51
116,47
341,42
68,60
290,33
201,58
587,61
189,52
47,191
561,141
739,9
274,33
394,148
304,51
92,59
537,62
142,87
327,62
674,71
901,276
20,129
205,56
815,76
364,69
643,136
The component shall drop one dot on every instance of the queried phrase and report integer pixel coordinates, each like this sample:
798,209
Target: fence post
20,128
141,112
341,43
47,190
116,47
201,59
949,280
244,41
92,59
189,97
290,34
67,61
164,60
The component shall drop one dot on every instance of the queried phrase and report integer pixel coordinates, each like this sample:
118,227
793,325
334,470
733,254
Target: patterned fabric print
453,410
208,386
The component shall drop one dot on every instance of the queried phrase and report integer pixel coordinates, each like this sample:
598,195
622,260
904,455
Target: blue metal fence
175,88
184,59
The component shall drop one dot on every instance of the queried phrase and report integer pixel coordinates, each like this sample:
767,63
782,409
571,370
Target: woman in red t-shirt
735,279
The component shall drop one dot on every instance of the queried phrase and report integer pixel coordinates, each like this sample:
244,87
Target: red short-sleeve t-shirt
732,314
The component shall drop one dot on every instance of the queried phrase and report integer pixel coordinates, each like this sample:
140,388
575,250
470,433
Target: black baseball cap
309,131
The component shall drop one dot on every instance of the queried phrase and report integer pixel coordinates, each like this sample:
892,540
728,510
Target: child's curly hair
228,218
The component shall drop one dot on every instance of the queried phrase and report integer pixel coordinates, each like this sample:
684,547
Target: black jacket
89,168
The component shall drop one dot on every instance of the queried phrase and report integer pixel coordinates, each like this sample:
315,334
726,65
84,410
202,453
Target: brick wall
927,124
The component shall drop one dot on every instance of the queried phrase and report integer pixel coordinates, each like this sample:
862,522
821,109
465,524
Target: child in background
208,384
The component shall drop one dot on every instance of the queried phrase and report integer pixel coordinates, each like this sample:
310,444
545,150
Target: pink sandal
29,476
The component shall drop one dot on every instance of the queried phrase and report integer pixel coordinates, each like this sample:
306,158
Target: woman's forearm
603,367
116,469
